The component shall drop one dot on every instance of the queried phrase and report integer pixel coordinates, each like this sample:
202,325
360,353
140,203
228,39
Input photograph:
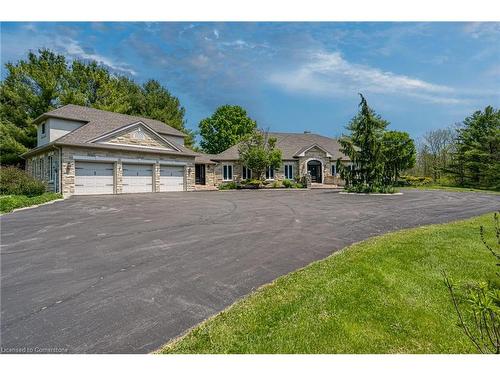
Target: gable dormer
53,128
136,135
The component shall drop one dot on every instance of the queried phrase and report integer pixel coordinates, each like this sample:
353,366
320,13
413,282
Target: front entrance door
314,169
199,174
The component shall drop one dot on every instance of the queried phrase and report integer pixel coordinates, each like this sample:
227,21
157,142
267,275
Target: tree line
466,154
46,80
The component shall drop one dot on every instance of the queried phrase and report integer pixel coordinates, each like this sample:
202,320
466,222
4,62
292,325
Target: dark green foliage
11,202
258,151
225,128
476,160
399,154
414,181
228,186
377,156
480,317
45,81
14,141
251,184
14,181
288,183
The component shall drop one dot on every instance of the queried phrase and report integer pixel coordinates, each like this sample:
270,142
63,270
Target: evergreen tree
477,157
364,148
399,154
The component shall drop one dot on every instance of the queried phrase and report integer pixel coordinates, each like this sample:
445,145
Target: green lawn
450,188
383,295
11,202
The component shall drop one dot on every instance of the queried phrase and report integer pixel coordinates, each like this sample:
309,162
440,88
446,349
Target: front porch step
205,187
315,185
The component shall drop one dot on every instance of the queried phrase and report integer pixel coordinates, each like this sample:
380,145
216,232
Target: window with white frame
269,173
43,129
227,172
51,168
334,169
289,171
246,173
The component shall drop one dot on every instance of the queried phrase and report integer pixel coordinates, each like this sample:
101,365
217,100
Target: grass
450,188
11,202
383,295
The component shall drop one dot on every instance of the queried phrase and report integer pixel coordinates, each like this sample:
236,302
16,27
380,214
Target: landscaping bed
383,295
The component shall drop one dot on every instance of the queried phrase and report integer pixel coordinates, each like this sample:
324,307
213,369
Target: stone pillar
118,177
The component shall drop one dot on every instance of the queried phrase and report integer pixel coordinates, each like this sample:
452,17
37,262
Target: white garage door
93,178
137,178
171,178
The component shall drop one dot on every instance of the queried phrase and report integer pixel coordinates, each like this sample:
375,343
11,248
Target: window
334,170
42,177
269,173
51,168
227,172
289,171
43,128
246,173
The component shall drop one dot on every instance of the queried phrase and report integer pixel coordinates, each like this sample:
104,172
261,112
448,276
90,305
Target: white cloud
216,33
329,74
482,29
75,50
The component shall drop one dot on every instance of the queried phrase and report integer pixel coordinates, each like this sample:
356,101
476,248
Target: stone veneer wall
299,168
68,166
131,138
33,168
210,178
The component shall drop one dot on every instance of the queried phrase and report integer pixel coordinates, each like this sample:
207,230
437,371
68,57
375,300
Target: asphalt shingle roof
98,123
291,144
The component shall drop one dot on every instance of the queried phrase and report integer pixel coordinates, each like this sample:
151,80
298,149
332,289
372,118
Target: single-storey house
302,153
81,150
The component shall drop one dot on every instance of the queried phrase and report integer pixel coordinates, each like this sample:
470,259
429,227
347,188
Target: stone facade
138,137
299,168
45,167
37,166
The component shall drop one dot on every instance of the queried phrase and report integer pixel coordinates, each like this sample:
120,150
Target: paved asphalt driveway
127,273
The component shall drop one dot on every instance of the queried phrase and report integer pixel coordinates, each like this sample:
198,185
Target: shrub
277,184
414,181
14,181
12,202
228,186
298,185
363,188
288,184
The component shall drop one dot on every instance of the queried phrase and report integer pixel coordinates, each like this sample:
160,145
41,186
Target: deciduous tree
258,151
225,128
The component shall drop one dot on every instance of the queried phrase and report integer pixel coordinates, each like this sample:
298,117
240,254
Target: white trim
284,170
322,168
303,153
270,169
94,158
248,173
128,161
135,146
138,123
232,171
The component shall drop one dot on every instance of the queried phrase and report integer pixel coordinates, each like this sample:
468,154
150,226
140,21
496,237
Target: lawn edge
178,338
30,207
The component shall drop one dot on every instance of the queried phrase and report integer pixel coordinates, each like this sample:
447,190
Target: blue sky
293,76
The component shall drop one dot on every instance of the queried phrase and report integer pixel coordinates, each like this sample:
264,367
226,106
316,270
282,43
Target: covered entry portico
315,169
